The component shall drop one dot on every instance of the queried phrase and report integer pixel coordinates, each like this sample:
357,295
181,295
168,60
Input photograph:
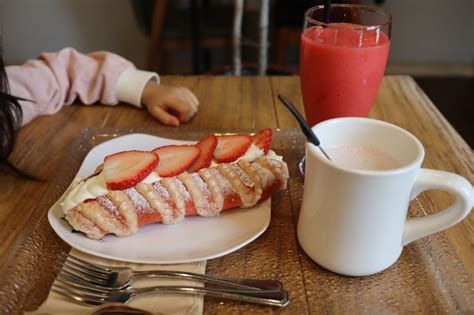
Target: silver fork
101,276
95,296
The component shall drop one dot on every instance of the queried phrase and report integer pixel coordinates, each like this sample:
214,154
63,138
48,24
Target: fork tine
79,295
94,267
78,268
81,273
76,298
88,265
82,285
84,277
69,262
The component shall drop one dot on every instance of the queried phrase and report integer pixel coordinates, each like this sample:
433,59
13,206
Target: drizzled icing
179,195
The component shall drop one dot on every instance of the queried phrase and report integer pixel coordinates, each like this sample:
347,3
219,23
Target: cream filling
95,186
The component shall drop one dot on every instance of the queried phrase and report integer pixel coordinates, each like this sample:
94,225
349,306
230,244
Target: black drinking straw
327,11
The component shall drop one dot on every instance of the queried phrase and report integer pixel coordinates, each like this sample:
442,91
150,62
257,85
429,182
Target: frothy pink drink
362,157
341,68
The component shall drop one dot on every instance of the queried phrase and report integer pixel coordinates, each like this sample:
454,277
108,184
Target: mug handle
416,228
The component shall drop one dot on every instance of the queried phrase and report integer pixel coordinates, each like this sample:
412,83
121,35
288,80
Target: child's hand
169,104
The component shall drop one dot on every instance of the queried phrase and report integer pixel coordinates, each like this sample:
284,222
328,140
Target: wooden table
230,103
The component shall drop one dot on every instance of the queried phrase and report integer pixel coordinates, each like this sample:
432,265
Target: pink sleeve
58,79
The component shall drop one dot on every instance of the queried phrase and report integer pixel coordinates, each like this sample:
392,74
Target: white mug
354,222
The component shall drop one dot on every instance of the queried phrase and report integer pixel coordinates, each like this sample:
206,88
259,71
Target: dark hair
11,116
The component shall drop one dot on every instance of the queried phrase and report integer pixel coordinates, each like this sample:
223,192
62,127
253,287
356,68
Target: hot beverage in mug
353,217
362,157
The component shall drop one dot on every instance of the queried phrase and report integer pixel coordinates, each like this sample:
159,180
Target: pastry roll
169,200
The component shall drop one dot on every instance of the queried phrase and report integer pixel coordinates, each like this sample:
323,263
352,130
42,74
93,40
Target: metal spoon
308,132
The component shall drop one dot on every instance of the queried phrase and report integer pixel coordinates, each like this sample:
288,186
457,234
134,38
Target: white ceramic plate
193,239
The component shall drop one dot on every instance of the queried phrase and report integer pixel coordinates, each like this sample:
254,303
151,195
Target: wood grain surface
231,103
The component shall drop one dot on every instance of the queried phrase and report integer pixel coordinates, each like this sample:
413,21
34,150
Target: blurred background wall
436,33
429,36
28,27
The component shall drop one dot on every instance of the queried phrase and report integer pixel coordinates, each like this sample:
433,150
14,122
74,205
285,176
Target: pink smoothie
341,70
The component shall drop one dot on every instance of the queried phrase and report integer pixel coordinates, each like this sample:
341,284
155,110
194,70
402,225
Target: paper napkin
154,303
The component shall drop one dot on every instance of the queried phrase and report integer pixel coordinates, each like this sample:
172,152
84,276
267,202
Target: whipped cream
253,152
91,188
151,178
95,186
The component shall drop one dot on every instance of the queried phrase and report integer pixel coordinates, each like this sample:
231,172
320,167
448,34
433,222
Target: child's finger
194,98
163,116
191,100
182,107
192,104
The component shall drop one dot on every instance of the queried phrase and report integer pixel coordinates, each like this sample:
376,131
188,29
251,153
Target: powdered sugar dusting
139,202
161,190
234,174
169,212
182,189
194,191
178,193
208,207
244,178
226,187
253,176
278,168
127,211
202,185
108,205
156,202
265,174
214,188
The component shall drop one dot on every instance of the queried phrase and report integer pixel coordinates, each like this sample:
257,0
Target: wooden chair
193,36
288,26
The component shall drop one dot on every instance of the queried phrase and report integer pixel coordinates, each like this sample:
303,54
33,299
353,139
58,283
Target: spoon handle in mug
302,122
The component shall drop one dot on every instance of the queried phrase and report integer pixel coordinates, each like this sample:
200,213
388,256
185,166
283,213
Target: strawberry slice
125,169
207,146
175,159
230,148
263,139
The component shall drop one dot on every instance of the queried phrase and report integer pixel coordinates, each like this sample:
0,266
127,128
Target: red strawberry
207,146
175,159
125,169
230,148
263,139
